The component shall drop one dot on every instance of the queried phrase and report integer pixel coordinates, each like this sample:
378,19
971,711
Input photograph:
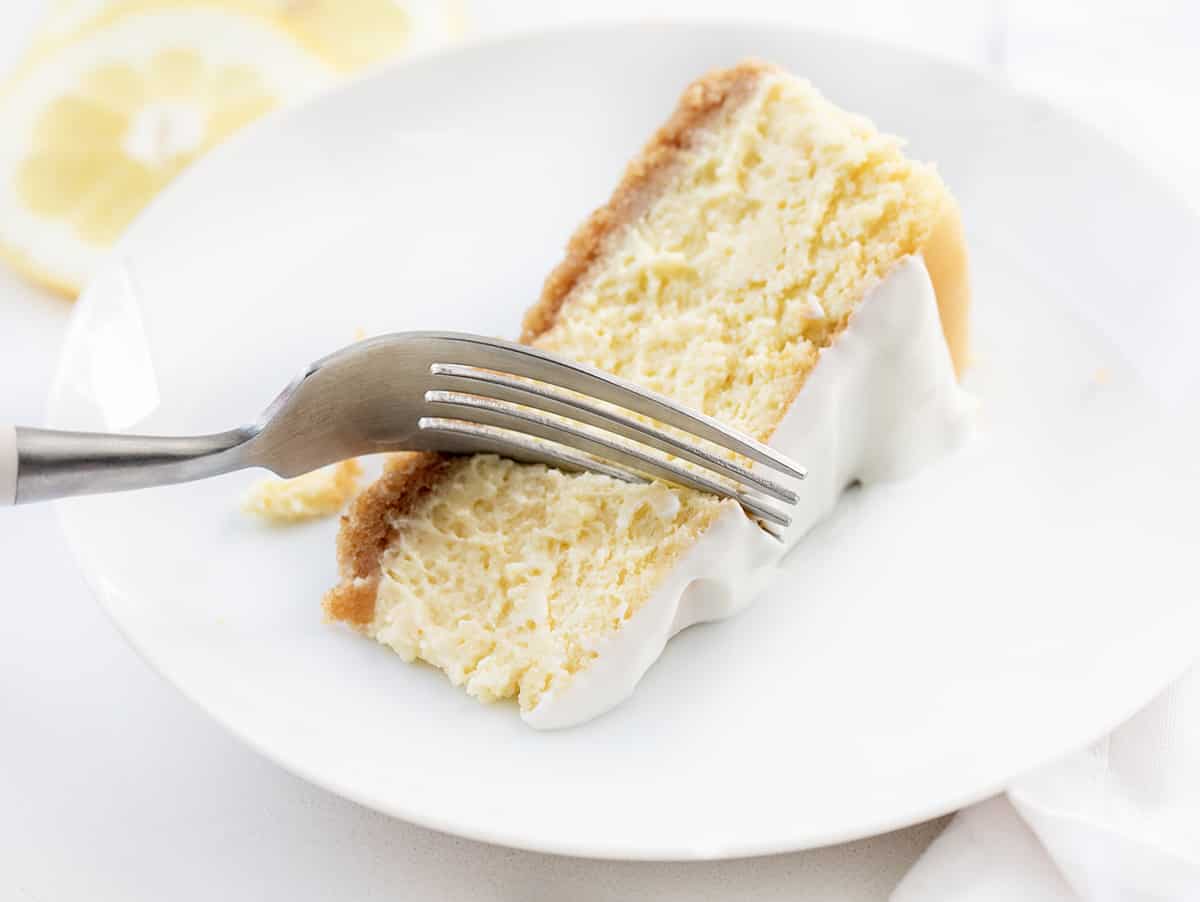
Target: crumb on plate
321,493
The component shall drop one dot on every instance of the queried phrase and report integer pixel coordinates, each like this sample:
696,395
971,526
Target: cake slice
768,259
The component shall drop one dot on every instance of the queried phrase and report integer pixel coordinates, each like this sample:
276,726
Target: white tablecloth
113,787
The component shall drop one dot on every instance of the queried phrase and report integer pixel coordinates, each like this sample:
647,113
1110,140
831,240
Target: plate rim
1169,628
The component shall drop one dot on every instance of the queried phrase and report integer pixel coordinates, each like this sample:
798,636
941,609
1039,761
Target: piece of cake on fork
769,259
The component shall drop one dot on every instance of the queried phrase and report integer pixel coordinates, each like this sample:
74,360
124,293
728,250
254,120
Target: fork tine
546,398
476,438
510,416
773,531
530,363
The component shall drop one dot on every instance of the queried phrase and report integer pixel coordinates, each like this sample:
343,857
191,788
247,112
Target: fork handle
42,464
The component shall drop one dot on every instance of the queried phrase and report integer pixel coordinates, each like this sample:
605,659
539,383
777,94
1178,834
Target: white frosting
881,402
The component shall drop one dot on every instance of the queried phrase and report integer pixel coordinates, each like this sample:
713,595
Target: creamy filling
881,402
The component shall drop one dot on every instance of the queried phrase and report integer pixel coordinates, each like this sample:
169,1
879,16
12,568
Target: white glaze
881,402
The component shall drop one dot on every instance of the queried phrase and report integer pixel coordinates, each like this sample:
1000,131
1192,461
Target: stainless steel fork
434,391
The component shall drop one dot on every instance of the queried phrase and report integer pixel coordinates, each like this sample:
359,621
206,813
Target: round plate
931,641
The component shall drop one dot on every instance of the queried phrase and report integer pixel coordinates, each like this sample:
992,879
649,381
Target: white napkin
1119,821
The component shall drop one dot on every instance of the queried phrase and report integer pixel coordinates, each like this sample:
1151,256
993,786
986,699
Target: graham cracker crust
367,528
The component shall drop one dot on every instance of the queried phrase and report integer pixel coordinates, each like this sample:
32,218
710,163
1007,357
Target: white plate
931,641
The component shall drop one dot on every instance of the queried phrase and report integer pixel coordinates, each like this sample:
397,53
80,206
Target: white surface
1060,598
1117,821
882,403
162,794
8,465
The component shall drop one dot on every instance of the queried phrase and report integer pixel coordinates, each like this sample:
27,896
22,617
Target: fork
420,391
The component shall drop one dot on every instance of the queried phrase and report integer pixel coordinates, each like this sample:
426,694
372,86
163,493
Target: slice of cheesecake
769,259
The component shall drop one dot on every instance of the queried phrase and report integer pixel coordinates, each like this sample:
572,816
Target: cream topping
881,403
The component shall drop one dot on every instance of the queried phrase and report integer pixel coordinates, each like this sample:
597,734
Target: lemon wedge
66,17
92,128
349,34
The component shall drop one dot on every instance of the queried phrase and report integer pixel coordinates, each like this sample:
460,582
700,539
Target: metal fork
420,391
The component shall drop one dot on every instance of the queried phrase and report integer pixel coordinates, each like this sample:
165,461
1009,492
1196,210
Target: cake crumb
321,493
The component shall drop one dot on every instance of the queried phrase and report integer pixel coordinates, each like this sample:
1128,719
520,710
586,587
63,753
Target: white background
114,787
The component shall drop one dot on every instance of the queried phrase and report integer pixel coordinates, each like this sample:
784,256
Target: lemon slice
91,130
349,34
65,17
353,34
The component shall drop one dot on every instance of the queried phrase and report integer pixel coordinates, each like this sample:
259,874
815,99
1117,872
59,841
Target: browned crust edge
367,529
643,178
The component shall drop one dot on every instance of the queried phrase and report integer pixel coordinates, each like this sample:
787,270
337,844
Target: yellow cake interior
747,255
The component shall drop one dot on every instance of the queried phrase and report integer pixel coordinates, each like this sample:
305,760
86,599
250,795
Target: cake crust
367,529
700,102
